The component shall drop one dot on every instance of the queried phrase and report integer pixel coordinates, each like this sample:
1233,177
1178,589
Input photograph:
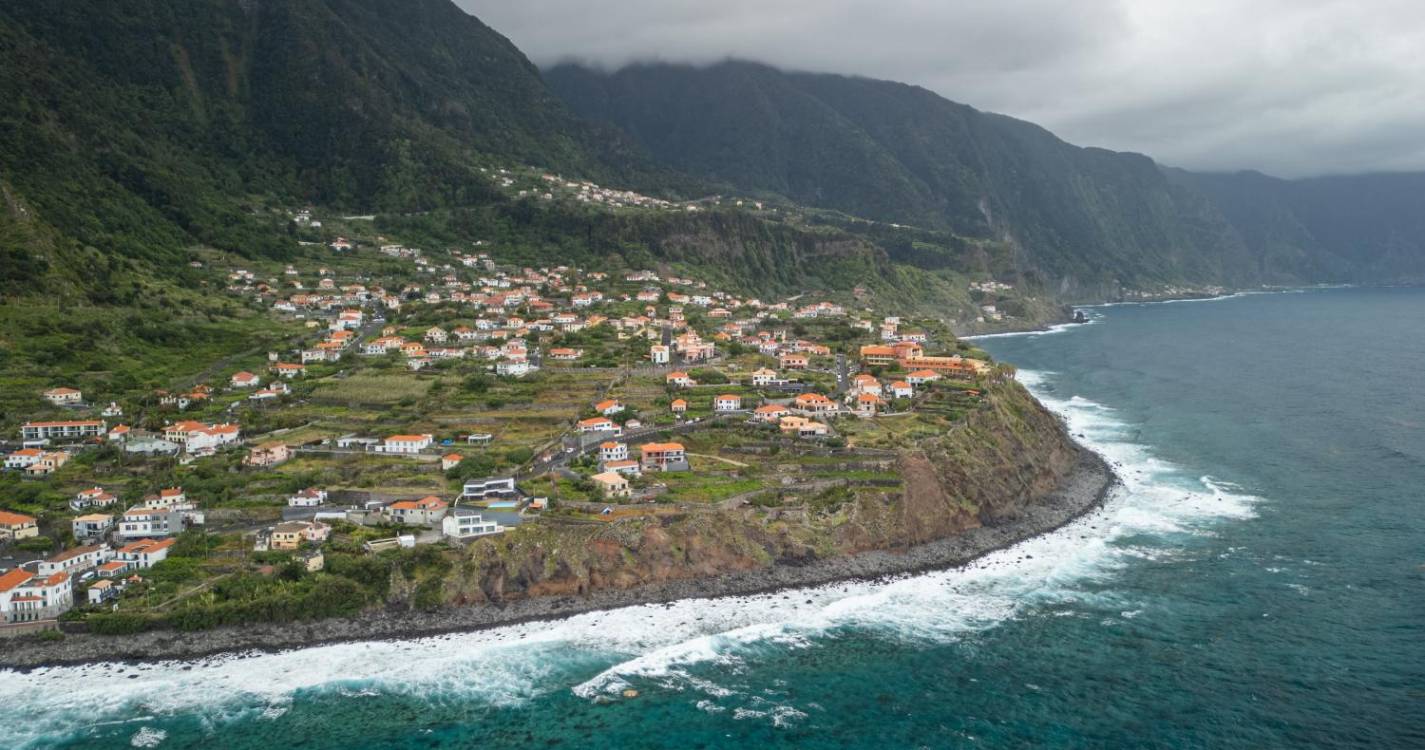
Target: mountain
1374,224
140,127
1085,222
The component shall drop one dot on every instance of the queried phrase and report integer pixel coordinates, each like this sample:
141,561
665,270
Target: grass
371,390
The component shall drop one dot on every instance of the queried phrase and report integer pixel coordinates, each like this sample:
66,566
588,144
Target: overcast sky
1290,87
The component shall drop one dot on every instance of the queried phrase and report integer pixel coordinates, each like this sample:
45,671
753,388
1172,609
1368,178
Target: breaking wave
693,645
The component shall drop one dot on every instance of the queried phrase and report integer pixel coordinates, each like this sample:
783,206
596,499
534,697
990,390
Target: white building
407,443
463,523
76,560
27,597
483,488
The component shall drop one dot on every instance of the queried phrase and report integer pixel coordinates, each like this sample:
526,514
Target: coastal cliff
1008,472
987,471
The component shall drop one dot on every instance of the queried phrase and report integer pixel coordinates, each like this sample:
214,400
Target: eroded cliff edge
1008,472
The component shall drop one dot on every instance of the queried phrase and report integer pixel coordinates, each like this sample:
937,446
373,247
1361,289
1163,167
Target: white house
92,525
464,523
65,430
727,402
599,424
245,379
426,511
63,396
479,489
27,597
512,368
75,560
308,498
144,553
407,443
612,450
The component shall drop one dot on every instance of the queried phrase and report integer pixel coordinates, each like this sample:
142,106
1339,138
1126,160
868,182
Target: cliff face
1001,461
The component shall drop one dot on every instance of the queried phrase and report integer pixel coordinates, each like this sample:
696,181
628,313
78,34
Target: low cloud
1290,87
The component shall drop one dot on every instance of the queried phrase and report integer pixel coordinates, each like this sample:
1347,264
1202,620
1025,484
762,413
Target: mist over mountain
1086,218
135,130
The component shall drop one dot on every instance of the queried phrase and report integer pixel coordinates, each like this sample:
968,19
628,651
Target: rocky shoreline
1082,492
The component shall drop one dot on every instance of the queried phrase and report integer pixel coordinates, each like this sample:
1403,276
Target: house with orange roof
955,366
23,458
864,383
921,377
627,467
63,396
245,379
727,402
91,498
27,597
770,413
679,379
611,485
143,553
813,404
679,406
450,461
612,450
16,526
48,463
609,407
426,511
803,427
878,354
290,535
792,361
663,457
267,454
867,404
75,560
900,389
168,497
289,370
32,432
599,424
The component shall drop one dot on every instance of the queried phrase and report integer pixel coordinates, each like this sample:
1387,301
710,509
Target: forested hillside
140,127
1087,222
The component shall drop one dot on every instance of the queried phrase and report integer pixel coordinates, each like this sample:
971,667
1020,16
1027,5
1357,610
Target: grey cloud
1290,87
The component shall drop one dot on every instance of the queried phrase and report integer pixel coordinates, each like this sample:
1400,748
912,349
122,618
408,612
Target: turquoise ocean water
1256,583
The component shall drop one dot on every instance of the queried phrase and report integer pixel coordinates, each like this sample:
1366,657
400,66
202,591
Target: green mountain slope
1371,226
140,127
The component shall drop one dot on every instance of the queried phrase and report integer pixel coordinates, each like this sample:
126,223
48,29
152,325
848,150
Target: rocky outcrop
985,472
1007,473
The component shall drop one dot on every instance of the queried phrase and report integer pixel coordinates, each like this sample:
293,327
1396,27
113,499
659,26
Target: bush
35,544
120,623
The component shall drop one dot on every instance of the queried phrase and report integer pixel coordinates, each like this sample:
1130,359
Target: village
459,399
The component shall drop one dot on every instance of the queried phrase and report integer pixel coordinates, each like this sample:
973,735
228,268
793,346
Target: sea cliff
1008,472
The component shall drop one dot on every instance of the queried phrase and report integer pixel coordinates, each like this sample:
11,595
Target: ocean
1256,582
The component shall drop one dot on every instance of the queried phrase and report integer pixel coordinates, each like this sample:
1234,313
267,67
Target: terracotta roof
74,552
660,447
7,518
16,577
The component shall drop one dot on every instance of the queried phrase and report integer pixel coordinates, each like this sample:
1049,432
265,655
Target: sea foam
692,645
